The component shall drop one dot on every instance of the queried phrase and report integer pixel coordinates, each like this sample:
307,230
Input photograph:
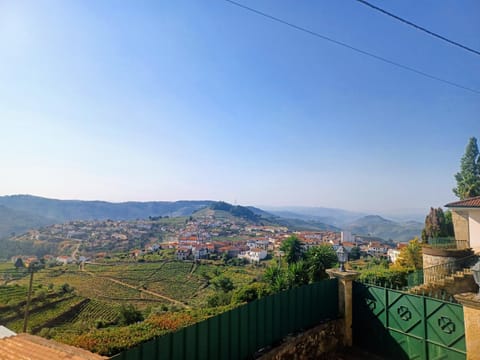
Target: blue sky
168,100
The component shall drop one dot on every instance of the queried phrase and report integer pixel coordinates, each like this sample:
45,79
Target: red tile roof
471,202
31,347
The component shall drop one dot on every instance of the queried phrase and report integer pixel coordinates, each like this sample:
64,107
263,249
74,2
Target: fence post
345,279
471,315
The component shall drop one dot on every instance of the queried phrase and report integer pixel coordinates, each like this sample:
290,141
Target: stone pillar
345,279
471,314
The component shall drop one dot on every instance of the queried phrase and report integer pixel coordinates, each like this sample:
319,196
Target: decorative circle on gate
372,304
446,324
404,313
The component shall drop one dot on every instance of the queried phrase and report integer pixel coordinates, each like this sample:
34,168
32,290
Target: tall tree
468,179
292,247
436,225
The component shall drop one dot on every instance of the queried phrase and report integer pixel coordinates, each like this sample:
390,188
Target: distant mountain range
335,217
19,213
356,222
377,226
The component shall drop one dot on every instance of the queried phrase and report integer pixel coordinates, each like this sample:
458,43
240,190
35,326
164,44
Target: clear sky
188,99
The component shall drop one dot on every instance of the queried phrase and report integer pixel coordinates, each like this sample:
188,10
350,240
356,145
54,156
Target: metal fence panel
399,325
190,343
239,333
202,345
234,334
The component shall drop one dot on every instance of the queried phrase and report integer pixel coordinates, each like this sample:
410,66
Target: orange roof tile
471,202
31,347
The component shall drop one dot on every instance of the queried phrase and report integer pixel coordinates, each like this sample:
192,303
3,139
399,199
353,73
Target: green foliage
318,259
129,315
381,275
223,283
468,179
410,257
219,299
66,288
354,253
310,269
449,224
276,278
292,248
237,211
297,274
250,292
112,340
47,333
437,224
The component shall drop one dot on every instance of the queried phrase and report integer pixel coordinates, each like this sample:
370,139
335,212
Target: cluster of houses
58,260
199,238
256,249
94,234
253,250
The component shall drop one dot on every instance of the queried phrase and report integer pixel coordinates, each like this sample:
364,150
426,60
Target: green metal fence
443,243
239,333
398,325
415,278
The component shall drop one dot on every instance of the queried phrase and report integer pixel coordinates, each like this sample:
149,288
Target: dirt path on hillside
75,251
119,282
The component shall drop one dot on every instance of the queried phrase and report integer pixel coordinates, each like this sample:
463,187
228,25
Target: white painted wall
474,229
346,236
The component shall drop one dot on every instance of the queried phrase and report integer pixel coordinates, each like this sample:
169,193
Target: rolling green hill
67,210
374,225
19,213
18,221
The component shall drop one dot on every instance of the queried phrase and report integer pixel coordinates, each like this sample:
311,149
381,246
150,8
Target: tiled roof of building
471,202
31,347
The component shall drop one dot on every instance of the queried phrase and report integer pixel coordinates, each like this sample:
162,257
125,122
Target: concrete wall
320,342
460,224
474,229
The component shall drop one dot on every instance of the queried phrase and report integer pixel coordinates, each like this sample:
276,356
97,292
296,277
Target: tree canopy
468,179
292,248
437,224
310,268
410,256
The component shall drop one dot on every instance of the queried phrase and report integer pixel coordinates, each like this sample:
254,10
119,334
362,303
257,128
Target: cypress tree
468,179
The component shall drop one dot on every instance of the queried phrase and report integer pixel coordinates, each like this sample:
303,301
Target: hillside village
191,238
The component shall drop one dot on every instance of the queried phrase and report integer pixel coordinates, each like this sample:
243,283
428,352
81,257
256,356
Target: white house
466,222
183,253
199,252
393,254
64,259
254,255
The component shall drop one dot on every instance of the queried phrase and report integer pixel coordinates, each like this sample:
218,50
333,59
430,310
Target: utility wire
418,27
358,50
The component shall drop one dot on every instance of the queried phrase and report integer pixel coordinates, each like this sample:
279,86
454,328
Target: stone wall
433,258
319,342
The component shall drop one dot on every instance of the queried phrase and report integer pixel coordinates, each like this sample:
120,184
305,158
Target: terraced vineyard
89,285
12,294
47,308
93,310
172,279
49,316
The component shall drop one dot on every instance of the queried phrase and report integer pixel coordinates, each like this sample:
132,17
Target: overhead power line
358,50
418,27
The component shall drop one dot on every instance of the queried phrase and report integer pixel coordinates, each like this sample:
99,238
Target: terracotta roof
31,347
471,202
